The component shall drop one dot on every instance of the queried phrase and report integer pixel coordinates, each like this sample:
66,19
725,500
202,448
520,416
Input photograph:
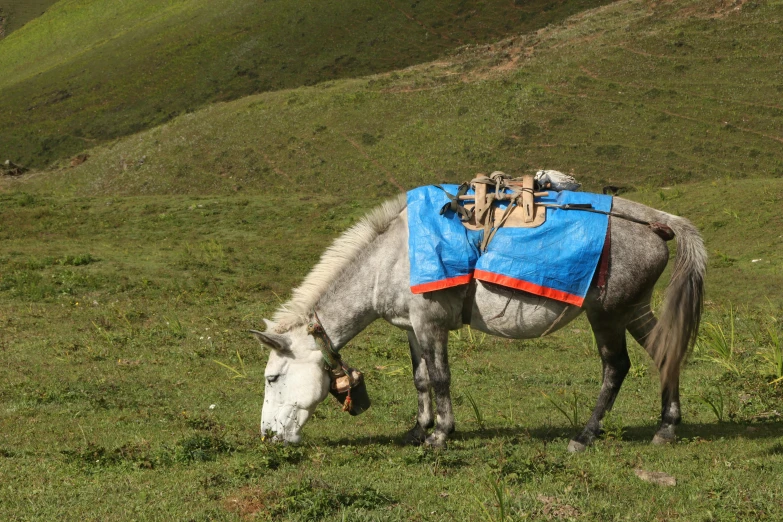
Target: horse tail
678,321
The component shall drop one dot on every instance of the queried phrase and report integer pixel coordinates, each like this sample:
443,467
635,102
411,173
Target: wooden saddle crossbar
479,211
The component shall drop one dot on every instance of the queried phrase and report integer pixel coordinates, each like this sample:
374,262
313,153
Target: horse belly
514,314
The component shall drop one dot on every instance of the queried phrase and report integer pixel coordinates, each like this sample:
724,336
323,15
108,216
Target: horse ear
275,341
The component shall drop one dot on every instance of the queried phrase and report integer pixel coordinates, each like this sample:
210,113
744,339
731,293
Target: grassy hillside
691,97
130,390
93,70
632,94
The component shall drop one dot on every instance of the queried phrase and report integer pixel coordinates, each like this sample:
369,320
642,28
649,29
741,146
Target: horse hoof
576,447
436,441
415,437
659,440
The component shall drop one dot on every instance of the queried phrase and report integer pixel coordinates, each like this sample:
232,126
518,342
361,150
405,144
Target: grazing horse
365,275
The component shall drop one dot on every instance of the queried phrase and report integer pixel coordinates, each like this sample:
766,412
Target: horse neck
358,296
346,309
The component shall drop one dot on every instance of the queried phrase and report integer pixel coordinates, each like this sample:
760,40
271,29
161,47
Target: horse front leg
421,379
433,342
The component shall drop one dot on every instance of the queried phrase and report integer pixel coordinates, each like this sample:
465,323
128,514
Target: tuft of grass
569,408
471,341
719,346
772,353
477,414
499,495
77,260
175,327
273,456
440,461
715,402
240,373
613,426
638,367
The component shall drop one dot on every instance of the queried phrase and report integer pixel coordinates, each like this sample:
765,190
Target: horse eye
272,378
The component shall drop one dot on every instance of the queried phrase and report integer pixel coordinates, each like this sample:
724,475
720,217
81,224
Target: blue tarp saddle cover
556,260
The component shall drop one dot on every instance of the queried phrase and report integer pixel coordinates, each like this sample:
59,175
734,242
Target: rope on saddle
489,234
661,229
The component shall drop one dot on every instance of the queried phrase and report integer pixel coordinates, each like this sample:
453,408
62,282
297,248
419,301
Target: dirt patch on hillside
249,501
702,9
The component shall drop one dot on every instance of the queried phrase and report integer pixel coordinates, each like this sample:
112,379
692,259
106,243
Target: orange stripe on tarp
526,286
443,283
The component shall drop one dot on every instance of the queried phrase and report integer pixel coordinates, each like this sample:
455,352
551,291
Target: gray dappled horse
364,276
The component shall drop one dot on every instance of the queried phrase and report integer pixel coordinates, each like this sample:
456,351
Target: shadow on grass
640,433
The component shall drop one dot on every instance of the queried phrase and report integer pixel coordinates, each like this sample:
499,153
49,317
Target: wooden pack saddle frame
522,210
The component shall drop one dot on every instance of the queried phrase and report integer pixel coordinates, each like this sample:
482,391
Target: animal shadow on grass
639,433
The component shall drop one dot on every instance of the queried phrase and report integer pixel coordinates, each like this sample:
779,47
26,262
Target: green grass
121,318
130,388
89,71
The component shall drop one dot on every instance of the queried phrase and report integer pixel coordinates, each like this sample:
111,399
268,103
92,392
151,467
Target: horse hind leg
421,380
640,327
614,357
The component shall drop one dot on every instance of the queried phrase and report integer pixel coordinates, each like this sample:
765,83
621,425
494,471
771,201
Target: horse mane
335,259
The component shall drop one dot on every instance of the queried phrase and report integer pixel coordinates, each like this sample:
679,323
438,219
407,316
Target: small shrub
272,456
517,468
202,448
134,454
78,260
203,423
315,500
638,368
438,459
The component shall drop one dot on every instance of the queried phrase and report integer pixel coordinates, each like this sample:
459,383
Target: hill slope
92,70
662,95
630,94
15,13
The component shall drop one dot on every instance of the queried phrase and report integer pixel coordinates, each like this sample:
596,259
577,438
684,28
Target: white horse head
296,382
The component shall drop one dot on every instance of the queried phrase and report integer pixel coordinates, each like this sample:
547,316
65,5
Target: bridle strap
334,362
328,352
